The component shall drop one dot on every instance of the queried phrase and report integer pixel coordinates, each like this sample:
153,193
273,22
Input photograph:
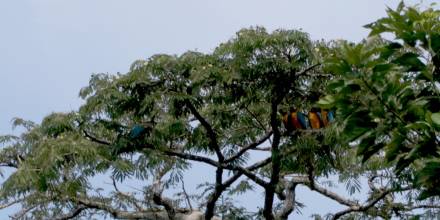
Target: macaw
324,117
302,120
331,116
314,119
140,129
286,121
137,131
295,122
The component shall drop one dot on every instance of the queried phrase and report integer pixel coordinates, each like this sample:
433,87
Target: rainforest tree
171,113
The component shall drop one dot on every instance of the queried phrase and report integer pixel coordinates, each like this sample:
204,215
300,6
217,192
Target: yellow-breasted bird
324,117
314,119
294,120
286,121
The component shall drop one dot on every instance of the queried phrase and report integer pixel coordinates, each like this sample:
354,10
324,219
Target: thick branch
94,139
222,187
119,214
323,191
289,202
368,205
276,159
74,213
158,189
211,133
215,146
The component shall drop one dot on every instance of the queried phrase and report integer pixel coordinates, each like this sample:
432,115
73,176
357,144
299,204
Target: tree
170,113
388,93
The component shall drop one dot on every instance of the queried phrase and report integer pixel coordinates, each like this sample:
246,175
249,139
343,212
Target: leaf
435,43
389,50
394,147
327,102
368,147
435,117
429,178
358,124
382,67
411,61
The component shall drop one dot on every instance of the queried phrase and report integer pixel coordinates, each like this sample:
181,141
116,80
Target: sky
49,48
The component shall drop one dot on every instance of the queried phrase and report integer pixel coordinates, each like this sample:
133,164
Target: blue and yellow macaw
301,118
327,117
137,131
331,116
324,117
294,120
315,119
286,121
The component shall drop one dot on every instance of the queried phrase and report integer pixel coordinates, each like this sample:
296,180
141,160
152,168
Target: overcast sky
49,48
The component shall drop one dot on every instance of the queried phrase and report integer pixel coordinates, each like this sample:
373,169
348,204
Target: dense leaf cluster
388,92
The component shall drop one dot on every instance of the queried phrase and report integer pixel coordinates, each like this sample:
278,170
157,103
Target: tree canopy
388,93
225,109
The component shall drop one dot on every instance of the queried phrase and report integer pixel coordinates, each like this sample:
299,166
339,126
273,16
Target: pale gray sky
49,48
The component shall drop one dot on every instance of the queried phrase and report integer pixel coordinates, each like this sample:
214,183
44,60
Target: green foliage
387,92
171,112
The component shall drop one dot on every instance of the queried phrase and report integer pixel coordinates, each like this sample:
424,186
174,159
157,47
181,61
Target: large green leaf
358,124
327,102
411,61
436,118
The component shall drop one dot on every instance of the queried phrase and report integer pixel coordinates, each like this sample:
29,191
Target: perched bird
302,120
294,120
137,131
314,119
324,117
331,116
286,121
133,140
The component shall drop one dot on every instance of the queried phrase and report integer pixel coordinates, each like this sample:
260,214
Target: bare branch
249,147
323,191
211,133
94,139
158,189
262,148
276,159
368,205
10,203
91,203
188,201
74,213
23,212
289,202
192,157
